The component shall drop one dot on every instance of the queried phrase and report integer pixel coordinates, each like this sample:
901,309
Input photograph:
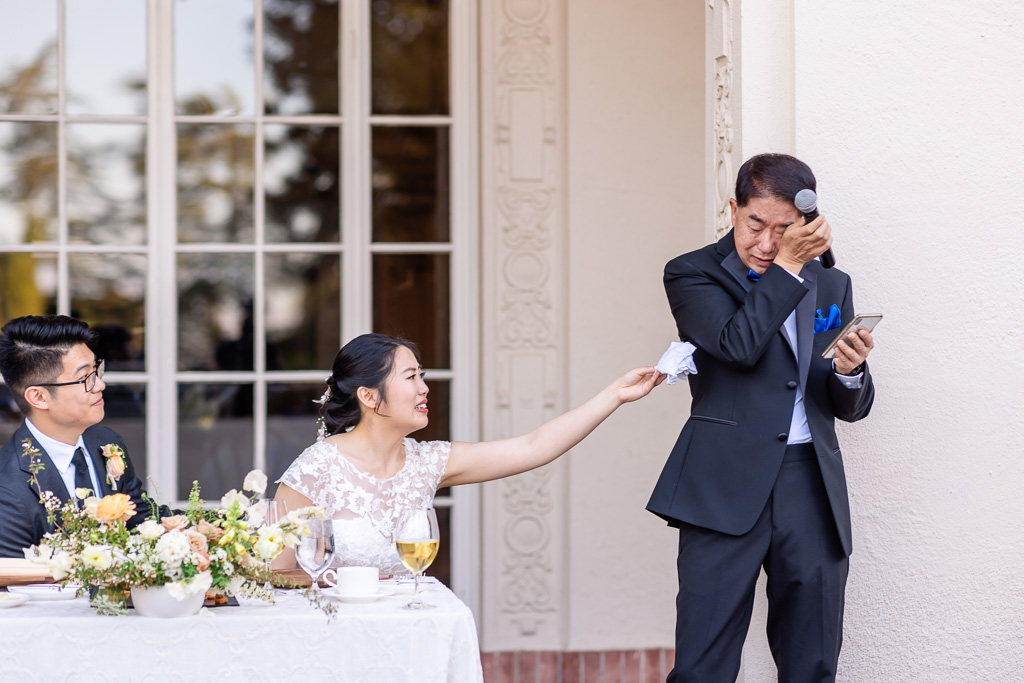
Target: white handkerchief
677,361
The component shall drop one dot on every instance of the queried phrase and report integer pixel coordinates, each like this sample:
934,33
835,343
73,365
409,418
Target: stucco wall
636,198
909,115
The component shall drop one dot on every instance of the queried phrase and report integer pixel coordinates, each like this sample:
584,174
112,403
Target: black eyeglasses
89,380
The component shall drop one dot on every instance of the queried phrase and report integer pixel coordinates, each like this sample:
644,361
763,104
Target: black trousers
796,542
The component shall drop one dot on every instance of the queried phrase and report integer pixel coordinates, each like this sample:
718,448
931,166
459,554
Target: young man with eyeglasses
57,382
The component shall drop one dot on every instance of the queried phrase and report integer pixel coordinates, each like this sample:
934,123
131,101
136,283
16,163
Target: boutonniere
114,455
823,323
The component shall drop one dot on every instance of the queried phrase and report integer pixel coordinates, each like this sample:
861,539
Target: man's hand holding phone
853,344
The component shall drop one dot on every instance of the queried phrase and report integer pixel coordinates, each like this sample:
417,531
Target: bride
367,473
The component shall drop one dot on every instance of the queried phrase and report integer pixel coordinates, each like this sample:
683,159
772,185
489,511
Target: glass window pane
10,415
28,57
439,410
409,44
302,182
303,294
441,567
291,425
215,437
28,182
28,285
106,183
105,56
215,309
215,183
410,185
300,49
411,300
108,291
125,412
213,59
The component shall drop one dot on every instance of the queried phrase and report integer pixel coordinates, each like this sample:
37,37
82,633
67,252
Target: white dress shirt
61,454
799,430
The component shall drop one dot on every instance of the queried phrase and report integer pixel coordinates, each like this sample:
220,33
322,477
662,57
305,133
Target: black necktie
82,480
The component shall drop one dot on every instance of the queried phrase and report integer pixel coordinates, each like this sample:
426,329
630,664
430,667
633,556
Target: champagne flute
418,538
315,552
277,511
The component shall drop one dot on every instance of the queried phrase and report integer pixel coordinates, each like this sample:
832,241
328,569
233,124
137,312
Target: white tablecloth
290,641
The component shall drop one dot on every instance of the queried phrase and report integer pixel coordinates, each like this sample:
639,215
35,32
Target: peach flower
211,531
204,561
196,541
176,522
116,506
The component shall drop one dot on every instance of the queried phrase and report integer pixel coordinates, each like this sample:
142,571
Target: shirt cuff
849,381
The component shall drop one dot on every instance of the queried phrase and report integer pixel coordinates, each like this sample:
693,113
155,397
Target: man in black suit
58,385
756,477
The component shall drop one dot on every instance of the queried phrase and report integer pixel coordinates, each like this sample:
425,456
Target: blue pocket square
823,324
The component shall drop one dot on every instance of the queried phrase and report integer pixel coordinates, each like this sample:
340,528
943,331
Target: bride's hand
637,383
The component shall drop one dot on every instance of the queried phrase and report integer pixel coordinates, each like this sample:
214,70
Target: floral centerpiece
221,551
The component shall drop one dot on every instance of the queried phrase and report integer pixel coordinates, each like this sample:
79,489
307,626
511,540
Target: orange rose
116,506
196,541
177,522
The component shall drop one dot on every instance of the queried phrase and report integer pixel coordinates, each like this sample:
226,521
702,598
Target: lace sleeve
431,461
315,475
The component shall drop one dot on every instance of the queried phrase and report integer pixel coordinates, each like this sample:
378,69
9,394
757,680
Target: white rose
97,556
233,497
90,505
256,482
151,529
40,554
172,548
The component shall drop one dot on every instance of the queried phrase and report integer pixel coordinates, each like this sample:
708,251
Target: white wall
636,168
909,113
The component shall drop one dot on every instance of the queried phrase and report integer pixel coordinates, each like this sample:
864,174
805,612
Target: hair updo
366,361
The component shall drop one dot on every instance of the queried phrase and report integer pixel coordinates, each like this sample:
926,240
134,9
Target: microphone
806,202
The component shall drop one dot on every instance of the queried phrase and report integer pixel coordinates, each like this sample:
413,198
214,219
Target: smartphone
868,322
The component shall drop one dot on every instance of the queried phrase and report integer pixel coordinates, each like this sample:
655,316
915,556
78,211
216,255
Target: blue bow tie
753,275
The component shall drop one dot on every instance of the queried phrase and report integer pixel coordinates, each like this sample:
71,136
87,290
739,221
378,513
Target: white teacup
353,581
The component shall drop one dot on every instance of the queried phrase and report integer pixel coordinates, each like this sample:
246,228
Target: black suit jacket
23,517
726,459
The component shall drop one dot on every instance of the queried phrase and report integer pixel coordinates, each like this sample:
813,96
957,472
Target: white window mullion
357,308
161,220
465,316
63,275
259,213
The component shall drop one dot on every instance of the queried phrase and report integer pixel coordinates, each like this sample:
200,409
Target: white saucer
45,591
382,591
12,599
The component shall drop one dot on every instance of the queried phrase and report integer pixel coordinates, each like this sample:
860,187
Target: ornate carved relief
720,43
523,307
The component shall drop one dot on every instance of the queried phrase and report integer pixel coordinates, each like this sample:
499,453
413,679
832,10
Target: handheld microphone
806,202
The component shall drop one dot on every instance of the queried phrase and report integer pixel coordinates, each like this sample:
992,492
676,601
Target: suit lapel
734,266
49,478
805,325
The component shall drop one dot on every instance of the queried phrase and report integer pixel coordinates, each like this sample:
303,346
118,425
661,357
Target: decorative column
720,101
522,47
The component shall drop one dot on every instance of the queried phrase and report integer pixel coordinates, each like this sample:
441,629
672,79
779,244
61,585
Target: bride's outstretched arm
295,501
469,463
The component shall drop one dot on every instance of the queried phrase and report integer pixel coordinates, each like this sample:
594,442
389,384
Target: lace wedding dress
366,510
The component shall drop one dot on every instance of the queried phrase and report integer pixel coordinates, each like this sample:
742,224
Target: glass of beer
417,539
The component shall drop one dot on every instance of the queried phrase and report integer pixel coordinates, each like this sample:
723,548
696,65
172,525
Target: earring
321,430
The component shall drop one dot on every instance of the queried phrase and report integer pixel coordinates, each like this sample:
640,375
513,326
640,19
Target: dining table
376,641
